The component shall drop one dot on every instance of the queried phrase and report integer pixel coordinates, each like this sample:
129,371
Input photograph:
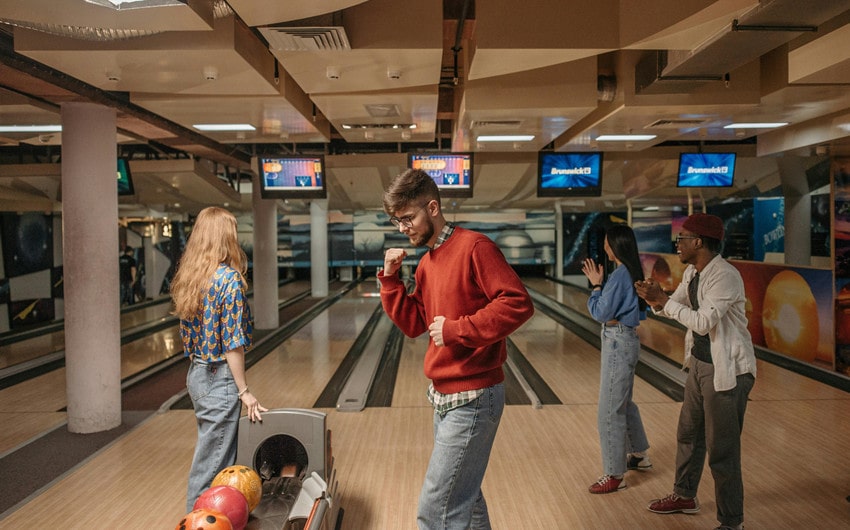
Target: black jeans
712,422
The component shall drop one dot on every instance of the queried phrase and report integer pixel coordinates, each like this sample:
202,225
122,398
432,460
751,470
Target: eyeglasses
680,238
407,220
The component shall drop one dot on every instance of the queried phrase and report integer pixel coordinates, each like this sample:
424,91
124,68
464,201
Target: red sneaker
607,484
673,504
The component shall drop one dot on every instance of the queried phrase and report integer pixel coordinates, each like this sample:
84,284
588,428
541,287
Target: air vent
493,124
382,110
306,39
675,124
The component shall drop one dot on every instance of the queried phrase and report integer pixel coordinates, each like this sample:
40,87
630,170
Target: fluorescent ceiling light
757,125
136,4
30,128
624,137
507,138
224,127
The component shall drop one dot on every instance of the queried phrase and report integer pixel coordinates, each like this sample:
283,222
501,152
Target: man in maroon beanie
721,365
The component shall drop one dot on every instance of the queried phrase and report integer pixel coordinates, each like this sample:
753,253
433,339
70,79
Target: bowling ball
790,316
227,500
204,519
243,478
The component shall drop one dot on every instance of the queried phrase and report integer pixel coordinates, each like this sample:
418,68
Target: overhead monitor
125,180
569,174
706,170
451,171
292,177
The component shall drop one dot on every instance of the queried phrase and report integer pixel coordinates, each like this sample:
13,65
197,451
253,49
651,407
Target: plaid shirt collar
447,230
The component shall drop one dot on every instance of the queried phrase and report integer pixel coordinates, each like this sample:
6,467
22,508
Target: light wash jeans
618,418
217,409
451,497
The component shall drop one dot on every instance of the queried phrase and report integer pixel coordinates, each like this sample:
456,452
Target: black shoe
640,463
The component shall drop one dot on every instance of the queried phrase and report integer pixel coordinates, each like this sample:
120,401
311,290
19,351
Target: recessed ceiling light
756,125
224,127
506,138
30,128
624,137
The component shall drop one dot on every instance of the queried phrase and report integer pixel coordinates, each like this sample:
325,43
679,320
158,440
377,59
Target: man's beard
420,239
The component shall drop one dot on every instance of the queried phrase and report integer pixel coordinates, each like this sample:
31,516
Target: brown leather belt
612,322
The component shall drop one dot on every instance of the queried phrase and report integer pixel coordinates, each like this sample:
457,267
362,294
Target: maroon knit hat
703,224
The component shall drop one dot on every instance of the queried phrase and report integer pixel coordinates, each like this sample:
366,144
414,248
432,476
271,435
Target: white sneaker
640,463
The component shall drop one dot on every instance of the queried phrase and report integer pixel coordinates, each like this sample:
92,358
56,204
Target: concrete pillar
798,210
266,314
319,248
90,260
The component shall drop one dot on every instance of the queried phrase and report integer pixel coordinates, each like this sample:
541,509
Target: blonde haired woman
216,326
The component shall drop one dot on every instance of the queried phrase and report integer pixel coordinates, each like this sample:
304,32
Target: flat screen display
569,174
292,177
125,180
706,170
451,171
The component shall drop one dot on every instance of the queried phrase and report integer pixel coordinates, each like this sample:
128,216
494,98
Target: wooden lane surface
295,373
542,463
795,464
25,350
34,406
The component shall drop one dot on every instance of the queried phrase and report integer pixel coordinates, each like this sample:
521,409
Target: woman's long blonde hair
213,241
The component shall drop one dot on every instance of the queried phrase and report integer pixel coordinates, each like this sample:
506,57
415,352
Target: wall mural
360,240
27,247
841,244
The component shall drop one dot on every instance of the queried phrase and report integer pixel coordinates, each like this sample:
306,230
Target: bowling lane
48,343
51,342
655,333
568,364
666,338
35,405
296,371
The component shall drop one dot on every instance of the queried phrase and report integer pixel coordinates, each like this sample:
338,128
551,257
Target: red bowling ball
227,500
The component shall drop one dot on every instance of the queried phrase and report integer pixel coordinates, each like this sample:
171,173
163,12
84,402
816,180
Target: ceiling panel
498,70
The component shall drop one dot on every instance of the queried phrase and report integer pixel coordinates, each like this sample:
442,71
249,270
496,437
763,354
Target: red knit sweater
468,281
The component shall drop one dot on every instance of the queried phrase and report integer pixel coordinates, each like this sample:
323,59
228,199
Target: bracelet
239,395
594,286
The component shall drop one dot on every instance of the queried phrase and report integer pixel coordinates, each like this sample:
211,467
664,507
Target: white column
319,248
90,257
266,314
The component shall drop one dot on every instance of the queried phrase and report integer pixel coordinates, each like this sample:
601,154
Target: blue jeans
217,409
618,418
451,496
711,422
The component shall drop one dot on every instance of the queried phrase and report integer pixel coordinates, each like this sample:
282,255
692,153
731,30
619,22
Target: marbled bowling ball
228,501
243,478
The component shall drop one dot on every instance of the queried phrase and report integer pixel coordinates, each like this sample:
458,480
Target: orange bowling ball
790,316
244,479
203,519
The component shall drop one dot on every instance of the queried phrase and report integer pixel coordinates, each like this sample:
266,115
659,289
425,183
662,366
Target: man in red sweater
469,300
